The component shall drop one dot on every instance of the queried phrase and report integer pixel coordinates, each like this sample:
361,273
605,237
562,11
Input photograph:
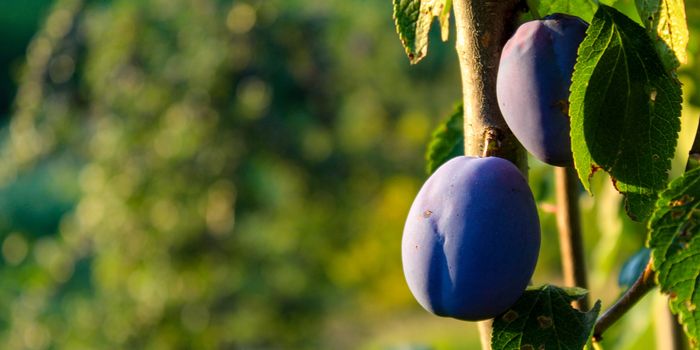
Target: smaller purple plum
534,77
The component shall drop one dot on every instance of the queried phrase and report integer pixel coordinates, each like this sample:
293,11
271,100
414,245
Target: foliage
625,110
674,249
580,8
212,146
447,140
413,19
18,22
544,319
665,21
233,174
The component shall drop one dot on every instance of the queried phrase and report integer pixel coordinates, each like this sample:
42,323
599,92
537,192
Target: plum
534,77
471,239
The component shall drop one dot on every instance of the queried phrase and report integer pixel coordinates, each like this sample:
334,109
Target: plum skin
532,87
471,239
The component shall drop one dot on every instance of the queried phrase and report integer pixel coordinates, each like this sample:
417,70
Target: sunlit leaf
413,19
447,141
675,249
665,21
625,110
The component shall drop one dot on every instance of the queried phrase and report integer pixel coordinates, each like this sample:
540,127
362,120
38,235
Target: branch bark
483,27
570,237
636,292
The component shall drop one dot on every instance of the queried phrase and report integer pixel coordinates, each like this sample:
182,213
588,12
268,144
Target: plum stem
492,142
636,292
570,237
482,28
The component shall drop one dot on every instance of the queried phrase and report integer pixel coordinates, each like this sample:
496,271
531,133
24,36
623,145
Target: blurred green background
210,174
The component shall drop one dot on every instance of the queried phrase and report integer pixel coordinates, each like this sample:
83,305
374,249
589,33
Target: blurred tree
237,171
227,174
18,22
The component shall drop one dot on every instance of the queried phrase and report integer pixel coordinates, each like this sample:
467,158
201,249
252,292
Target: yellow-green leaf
413,19
667,26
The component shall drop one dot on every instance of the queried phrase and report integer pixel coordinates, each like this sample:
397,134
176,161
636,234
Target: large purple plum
533,83
471,239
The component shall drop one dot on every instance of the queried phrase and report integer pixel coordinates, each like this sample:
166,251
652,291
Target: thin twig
570,237
636,292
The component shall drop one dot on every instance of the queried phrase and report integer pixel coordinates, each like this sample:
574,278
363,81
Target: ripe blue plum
534,77
471,239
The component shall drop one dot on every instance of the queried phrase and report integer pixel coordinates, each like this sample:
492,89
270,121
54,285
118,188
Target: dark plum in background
534,77
471,239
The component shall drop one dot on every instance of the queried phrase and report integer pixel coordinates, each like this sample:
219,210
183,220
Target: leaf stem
570,237
636,292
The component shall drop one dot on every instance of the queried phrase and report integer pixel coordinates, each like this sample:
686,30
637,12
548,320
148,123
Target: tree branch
570,237
483,27
636,292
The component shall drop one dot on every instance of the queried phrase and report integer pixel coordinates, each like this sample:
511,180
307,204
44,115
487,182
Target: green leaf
665,21
447,141
580,8
543,319
413,19
625,110
674,239
444,18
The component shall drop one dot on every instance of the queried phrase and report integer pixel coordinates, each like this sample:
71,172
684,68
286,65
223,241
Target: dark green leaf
633,268
413,19
665,21
447,141
543,319
625,110
675,249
